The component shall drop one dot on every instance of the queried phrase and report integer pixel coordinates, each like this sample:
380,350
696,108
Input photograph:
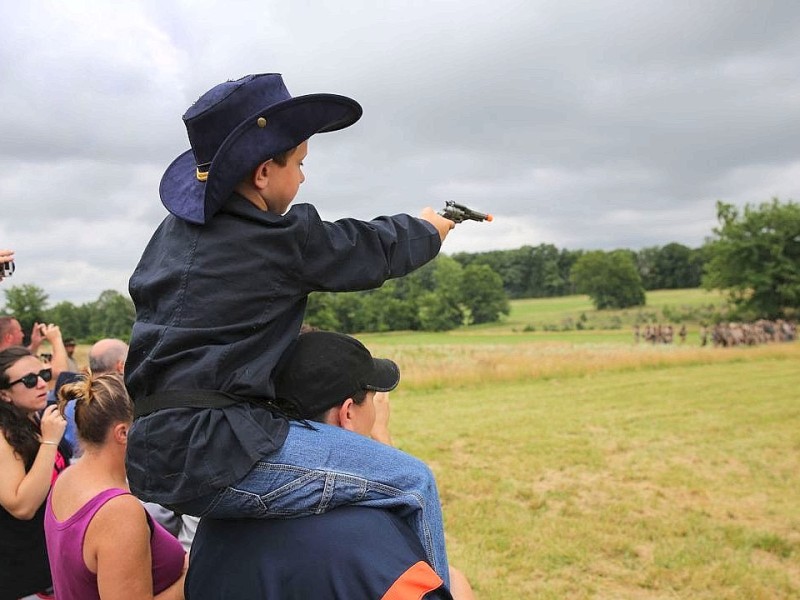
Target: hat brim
384,377
288,124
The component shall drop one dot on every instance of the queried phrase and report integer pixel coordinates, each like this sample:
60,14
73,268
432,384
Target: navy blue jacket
350,553
216,306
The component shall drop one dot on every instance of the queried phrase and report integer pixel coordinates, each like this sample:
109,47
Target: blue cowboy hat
234,127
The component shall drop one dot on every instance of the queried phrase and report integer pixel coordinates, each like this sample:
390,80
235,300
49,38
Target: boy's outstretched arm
443,226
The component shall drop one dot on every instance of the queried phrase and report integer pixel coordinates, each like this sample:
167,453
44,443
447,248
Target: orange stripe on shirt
417,581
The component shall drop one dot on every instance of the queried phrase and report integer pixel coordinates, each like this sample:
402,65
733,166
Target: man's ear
345,414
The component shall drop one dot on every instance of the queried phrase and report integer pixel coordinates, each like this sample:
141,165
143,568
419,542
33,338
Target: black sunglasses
31,379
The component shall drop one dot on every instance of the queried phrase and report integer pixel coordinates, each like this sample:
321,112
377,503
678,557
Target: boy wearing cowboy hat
220,294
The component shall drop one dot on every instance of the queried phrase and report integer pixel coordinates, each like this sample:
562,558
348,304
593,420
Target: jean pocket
271,490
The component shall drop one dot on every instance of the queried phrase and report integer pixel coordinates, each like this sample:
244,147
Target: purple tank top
72,580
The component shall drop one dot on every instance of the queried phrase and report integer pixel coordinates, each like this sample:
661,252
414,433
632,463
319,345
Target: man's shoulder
306,556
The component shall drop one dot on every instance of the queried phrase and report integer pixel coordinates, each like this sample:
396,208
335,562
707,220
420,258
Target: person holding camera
32,453
6,263
11,335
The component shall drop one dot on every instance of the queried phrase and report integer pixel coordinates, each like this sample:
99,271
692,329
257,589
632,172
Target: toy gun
458,213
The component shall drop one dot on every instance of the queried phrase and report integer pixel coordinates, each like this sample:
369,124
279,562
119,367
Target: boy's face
284,181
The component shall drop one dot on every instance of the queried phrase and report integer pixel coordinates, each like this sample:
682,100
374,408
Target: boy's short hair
282,158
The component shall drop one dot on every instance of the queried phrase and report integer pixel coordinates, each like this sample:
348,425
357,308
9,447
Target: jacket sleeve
350,255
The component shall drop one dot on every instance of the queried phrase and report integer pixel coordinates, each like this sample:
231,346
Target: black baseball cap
323,369
69,342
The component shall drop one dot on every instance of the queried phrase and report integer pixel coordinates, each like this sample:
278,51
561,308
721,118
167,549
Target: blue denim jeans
319,469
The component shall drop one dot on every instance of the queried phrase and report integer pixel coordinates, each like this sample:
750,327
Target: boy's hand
443,226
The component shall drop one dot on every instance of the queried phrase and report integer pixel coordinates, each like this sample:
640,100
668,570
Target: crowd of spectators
62,526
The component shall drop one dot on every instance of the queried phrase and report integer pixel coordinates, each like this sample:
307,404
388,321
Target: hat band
202,171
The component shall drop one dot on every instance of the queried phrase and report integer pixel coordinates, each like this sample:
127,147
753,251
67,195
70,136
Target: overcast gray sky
596,124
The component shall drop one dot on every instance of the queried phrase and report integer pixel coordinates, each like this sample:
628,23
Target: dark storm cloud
587,125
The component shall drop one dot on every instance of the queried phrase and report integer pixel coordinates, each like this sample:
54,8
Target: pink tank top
72,580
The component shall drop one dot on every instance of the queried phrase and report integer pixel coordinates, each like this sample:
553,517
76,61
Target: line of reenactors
762,331
658,334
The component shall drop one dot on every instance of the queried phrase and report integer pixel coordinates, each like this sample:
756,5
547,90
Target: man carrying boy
220,293
349,552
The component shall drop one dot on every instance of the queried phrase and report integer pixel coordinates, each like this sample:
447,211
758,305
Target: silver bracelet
49,443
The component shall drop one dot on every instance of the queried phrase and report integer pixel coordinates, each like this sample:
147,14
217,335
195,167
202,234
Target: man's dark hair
358,398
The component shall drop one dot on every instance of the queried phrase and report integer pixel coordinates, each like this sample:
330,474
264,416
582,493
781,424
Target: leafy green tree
566,260
646,260
437,313
112,316
71,319
483,295
755,256
440,309
609,278
447,278
513,266
676,267
28,304
348,307
395,305
321,311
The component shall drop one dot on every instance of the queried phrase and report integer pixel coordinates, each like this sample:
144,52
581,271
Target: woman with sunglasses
31,455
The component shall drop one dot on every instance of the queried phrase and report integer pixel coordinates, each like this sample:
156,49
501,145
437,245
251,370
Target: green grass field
577,464
584,466
556,320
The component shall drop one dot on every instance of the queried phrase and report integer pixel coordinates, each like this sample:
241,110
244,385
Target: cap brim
384,377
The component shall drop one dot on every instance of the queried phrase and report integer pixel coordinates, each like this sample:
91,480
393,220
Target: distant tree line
473,288
753,254
111,315
440,296
545,271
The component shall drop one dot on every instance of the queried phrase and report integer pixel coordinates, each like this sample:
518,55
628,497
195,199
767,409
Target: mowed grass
557,319
577,464
671,481
581,465
540,311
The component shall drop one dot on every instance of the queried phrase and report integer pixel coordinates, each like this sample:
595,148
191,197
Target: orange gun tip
489,218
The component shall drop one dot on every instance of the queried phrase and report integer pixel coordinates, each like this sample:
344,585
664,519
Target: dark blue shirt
216,306
350,553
